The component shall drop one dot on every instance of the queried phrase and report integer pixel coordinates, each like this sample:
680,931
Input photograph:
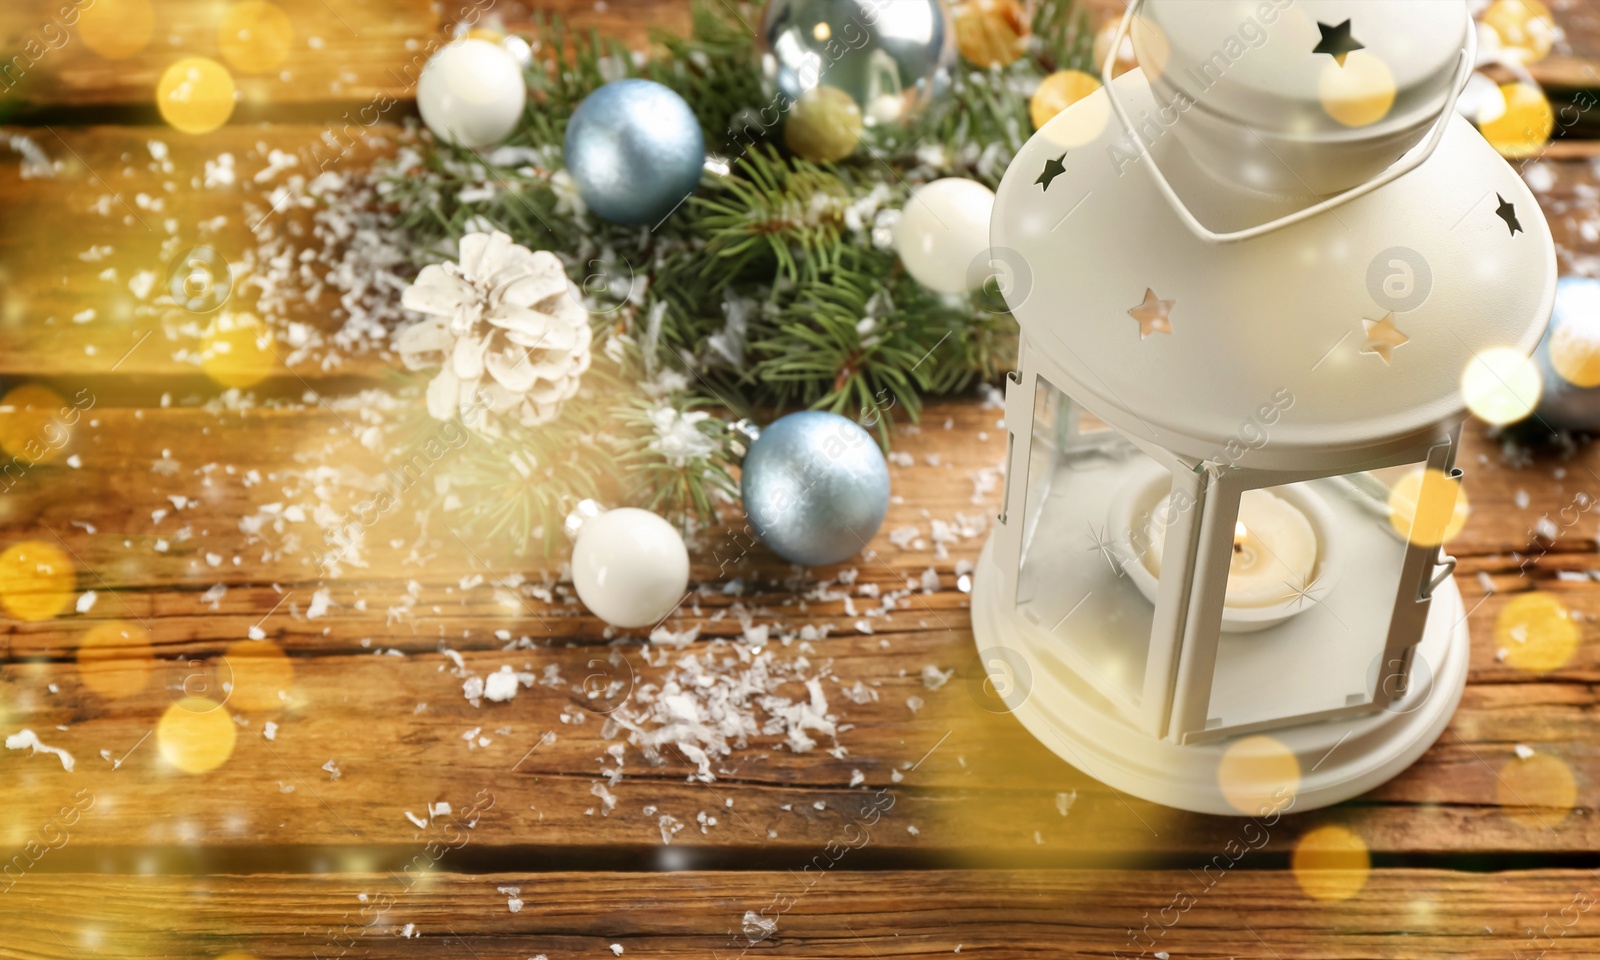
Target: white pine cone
506,328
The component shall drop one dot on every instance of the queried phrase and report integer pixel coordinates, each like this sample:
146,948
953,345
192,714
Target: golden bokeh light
1537,791
1059,91
1102,49
255,36
238,350
195,95
1258,772
196,735
1360,92
37,581
1575,351
35,424
117,29
1525,29
991,33
1428,507
1536,632
824,125
1501,385
260,671
1525,126
115,658
1331,863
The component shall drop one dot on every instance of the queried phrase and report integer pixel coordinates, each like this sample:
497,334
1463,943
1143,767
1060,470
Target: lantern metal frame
1164,745
1158,734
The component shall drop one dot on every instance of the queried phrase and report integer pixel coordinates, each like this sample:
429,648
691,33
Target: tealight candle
1275,553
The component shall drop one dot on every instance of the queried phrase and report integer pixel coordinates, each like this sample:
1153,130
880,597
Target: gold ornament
1525,28
991,33
1525,126
1057,92
824,125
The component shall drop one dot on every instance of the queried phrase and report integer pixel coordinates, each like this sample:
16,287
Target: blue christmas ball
635,150
1563,405
815,487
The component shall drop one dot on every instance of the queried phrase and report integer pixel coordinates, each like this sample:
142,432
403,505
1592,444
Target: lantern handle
1444,565
1400,168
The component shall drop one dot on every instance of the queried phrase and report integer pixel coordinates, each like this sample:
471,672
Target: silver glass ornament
815,487
887,55
635,151
1563,405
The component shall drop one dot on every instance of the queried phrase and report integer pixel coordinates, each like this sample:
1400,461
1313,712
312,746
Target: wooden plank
1398,915
989,792
360,49
350,51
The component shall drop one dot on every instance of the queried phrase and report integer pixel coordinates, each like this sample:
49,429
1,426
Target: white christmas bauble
472,93
630,567
943,231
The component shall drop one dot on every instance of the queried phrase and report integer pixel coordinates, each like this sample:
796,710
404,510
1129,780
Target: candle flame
1239,534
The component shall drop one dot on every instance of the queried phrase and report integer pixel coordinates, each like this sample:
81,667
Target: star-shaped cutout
1508,212
1052,169
1336,42
1383,337
1154,314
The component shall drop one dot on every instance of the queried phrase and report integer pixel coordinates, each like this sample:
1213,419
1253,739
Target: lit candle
1274,551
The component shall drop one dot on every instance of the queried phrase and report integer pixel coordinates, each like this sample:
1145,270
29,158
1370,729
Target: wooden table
321,835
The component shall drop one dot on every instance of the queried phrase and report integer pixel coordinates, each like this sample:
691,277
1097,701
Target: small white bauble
472,93
630,567
943,229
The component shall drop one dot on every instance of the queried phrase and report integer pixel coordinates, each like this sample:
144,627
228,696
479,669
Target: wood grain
1399,915
987,795
351,51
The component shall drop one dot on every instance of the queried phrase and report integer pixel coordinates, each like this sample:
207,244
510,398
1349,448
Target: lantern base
1337,759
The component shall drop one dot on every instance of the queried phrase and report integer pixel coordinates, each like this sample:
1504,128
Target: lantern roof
1365,317
1277,63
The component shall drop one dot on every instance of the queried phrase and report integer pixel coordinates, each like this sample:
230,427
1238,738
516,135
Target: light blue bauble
815,487
635,150
1563,405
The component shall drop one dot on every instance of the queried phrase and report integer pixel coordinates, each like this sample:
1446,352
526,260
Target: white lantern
1250,277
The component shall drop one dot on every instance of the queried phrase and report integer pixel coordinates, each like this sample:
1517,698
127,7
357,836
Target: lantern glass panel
1071,580
1338,592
